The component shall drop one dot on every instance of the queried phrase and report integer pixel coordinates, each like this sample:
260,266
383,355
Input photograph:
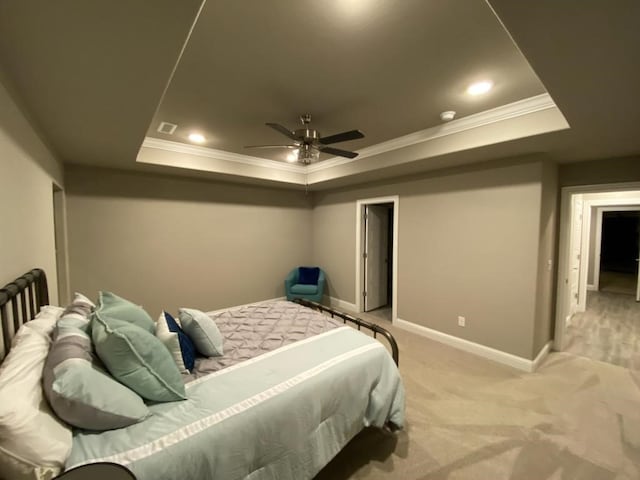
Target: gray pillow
77,387
113,306
202,331
81,307
136,358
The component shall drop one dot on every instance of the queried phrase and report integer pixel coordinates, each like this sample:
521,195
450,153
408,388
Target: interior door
576,245
375,259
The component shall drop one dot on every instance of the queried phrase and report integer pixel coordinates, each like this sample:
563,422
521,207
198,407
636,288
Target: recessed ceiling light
479,88
447,116
197,137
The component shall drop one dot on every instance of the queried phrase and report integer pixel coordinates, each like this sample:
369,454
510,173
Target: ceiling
96,78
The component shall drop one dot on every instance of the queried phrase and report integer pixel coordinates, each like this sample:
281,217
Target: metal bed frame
376,329
20,301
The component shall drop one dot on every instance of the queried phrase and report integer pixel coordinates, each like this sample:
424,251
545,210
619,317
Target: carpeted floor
469,418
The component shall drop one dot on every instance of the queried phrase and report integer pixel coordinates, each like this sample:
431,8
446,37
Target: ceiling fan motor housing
307,135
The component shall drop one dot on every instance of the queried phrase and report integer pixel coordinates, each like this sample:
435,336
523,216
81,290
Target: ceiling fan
308,143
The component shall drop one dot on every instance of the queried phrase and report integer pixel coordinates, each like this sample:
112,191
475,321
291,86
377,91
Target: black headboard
20,301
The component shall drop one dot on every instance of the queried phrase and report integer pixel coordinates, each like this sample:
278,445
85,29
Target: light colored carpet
469,418
608,330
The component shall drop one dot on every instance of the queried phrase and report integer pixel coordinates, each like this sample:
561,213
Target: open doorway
376,257
619,252
596,307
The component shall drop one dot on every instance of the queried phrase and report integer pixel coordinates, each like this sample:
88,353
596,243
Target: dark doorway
619,252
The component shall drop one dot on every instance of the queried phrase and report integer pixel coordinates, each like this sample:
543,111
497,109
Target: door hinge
575,295
364,294
364,255
364,216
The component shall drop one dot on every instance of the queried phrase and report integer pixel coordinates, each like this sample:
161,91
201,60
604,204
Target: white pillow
34,444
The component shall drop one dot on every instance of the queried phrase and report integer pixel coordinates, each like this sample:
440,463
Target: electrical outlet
462,321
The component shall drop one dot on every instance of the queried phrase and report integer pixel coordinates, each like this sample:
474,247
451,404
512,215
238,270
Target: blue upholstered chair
305,282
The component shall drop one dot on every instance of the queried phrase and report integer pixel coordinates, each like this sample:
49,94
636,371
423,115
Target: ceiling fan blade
342,137
283,130
271,146
337,151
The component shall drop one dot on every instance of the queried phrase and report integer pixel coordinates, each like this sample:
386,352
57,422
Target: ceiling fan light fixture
292,156
196,137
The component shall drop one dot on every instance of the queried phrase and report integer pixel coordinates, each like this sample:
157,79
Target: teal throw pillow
202,331
137,359
113,306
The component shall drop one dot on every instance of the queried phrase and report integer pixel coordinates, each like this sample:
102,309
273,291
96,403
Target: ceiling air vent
168,128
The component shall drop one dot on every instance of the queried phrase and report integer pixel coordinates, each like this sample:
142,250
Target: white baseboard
340,304
544,351
591,288
475,348
245,305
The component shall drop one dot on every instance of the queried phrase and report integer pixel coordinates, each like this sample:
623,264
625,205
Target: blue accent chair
295,288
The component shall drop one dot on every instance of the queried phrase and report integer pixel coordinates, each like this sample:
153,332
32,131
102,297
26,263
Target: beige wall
546,285
614,170
468,245
27,172
168,242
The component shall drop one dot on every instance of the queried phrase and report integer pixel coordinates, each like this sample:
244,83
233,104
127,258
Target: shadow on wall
89,181
21,129
487,174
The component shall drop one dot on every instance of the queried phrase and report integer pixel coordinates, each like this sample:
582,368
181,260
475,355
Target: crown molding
487,117
176,147
504,112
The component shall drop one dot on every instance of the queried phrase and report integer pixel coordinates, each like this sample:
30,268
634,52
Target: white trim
213,312
501,113
592,287
544,351
340,304
176,147
584,257
472,347
395,199
598,251
477,120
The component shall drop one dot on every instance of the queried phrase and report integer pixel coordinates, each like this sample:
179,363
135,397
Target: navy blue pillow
186,345
308,275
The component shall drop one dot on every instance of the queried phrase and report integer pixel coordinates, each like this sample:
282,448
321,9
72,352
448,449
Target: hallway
609,330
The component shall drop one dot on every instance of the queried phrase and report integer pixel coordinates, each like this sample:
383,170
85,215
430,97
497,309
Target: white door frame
395,199
598,239
563,292
59,200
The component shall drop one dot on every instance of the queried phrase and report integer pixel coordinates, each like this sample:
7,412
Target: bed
296,383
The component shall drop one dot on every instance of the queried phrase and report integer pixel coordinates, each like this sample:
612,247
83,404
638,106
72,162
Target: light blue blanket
284,415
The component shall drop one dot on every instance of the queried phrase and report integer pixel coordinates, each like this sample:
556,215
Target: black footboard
376,329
